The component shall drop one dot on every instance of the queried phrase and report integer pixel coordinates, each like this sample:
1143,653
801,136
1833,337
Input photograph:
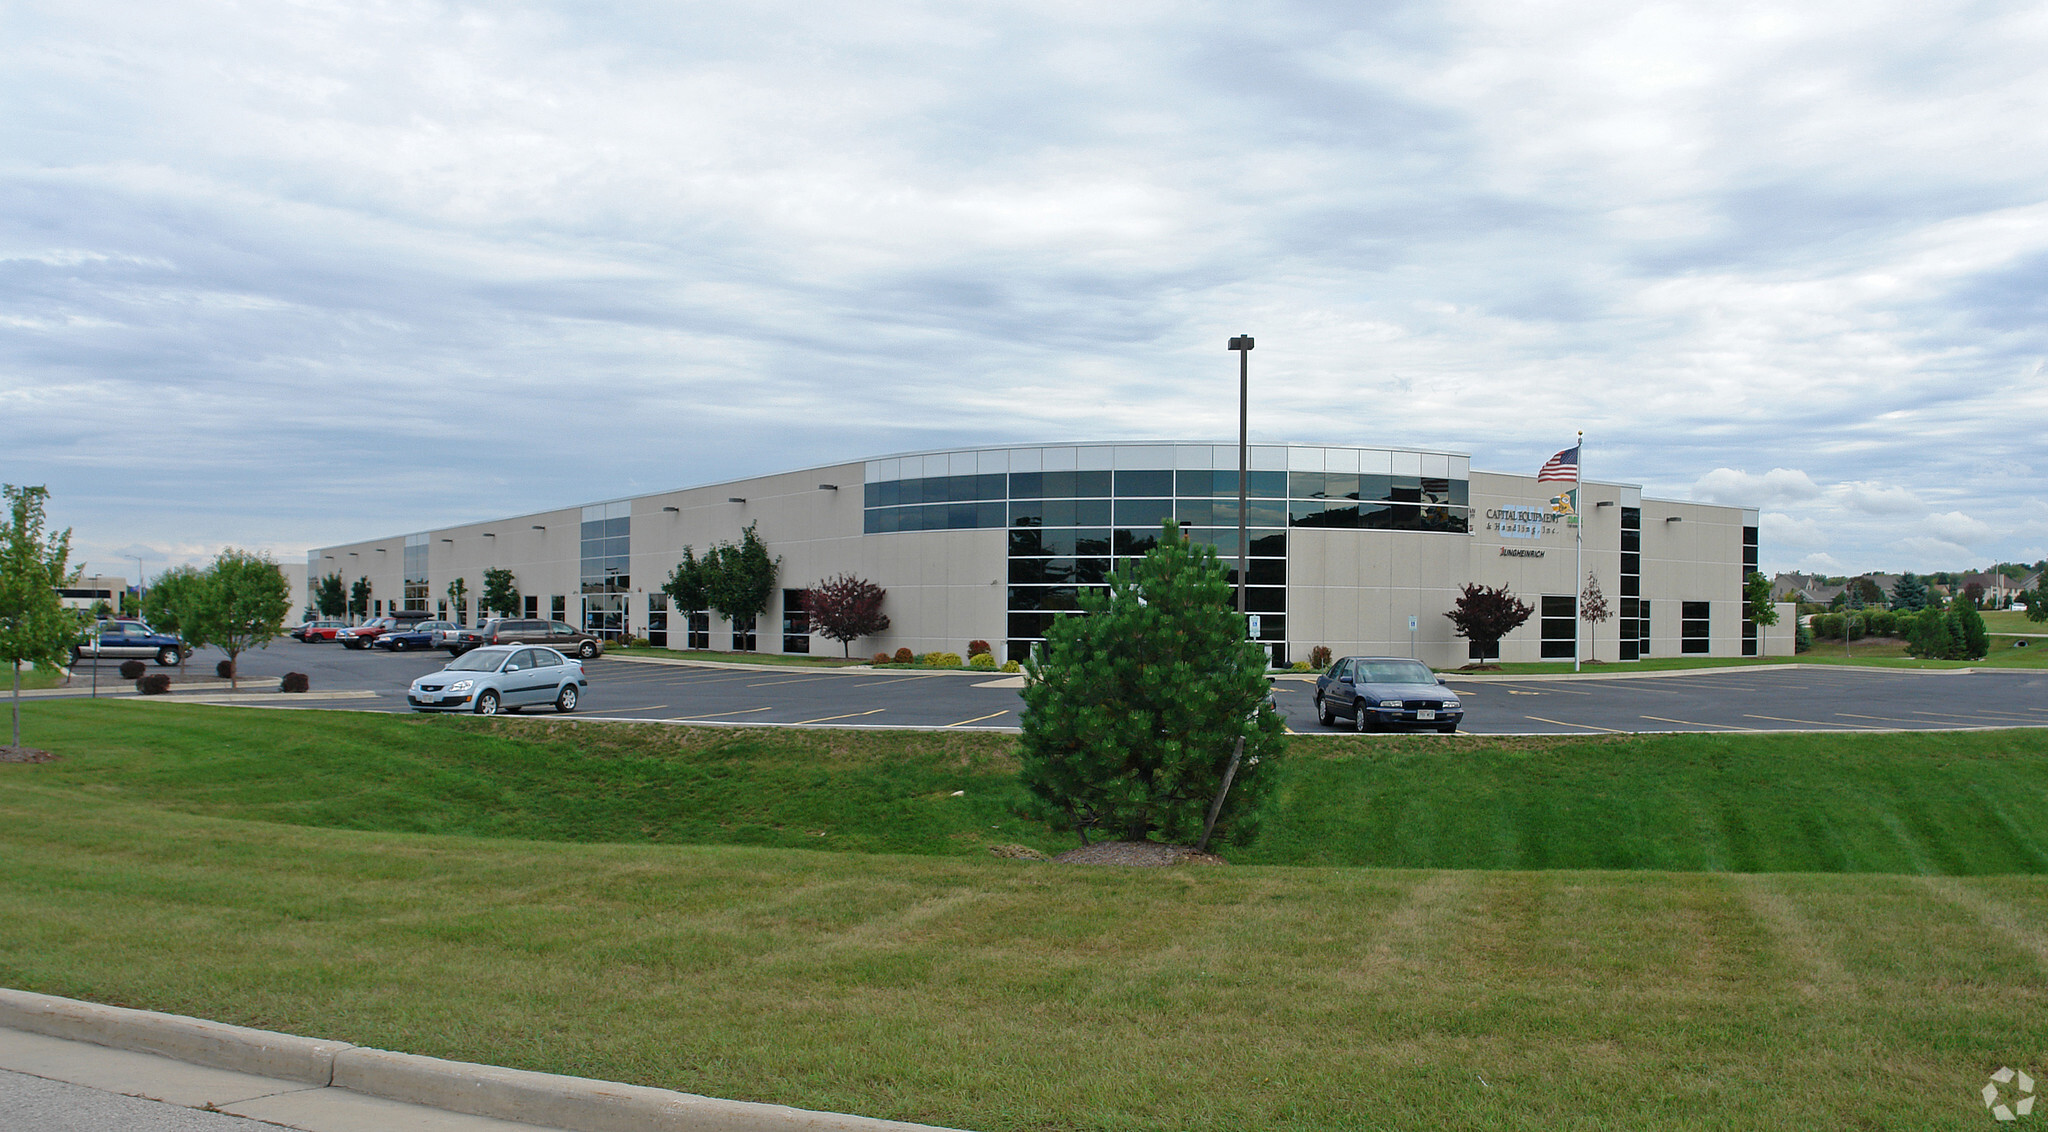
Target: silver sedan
498,678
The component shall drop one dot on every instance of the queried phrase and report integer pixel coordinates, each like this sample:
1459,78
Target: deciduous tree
329,598
1756,599
686,586
501,592
1485,614
1135,708
35,628
739,578
1593,610
846,608
170,607
240,604
359,598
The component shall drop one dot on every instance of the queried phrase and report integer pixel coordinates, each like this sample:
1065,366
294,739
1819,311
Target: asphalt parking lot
1738,699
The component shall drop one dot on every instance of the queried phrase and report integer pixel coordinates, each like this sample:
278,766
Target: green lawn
261,868
2012,621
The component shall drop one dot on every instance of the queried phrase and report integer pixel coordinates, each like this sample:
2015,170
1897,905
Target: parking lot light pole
1243,345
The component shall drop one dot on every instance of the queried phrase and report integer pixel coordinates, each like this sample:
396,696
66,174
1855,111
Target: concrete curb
195,1040
578,1104
574,1102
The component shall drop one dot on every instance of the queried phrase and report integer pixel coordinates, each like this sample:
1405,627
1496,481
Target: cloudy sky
284,274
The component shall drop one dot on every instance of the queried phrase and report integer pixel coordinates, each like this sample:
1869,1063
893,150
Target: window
558,607
1692,626
743,634
699,631
533,605
1559,626
796,622
1635,625
1748,568
657,620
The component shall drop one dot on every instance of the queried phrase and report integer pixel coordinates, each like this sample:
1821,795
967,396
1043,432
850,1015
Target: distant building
87,592
1359,549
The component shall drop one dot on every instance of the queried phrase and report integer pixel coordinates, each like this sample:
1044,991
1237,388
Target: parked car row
412,630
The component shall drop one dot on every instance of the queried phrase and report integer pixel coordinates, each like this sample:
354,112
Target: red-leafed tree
846,609
1485,614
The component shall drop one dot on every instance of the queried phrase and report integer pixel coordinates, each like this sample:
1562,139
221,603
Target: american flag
1563,466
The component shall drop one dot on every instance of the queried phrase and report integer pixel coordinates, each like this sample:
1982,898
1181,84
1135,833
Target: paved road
1748,699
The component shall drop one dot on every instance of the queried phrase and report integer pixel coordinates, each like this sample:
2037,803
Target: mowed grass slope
999,995
1946,803
1953,803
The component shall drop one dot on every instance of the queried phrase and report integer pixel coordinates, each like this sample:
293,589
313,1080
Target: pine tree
1973,639
1909,594
1134,710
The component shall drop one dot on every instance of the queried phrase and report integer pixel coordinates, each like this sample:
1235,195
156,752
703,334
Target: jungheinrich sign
1519,552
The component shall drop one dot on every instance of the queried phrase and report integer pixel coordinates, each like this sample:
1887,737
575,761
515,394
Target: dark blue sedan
1377,692
419,635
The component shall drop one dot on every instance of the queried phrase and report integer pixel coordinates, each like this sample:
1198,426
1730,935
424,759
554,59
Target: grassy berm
623,902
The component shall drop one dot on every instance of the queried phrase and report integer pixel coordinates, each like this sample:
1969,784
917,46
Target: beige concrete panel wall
1692,552
945,588
1368,584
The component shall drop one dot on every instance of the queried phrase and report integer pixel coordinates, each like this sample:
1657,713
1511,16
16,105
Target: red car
317,631
363,635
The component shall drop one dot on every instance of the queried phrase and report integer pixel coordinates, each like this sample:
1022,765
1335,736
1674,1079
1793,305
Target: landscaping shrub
225,670
978,646
982,660
905,656
881,658
294,682
1802,639
155,685
940,660
132,669
1012,666
1300,666
1319,657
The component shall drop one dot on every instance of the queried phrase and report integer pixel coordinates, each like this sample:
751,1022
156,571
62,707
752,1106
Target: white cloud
707,242
1879,499
1728,486
1781,530
1956,527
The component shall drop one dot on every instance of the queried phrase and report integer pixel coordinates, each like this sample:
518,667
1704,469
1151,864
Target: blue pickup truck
129,640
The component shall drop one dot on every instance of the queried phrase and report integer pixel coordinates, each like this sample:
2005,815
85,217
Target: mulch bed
1144,854
25,755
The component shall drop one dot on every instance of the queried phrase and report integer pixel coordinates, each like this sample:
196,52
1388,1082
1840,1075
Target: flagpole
1579,559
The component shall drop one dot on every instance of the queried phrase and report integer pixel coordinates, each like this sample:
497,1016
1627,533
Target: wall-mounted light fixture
1605,503
490,534
447,540
1674,518
538,527
677,510
736,499
828,487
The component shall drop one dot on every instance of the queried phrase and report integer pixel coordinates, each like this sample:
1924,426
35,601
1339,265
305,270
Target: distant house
1803,588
